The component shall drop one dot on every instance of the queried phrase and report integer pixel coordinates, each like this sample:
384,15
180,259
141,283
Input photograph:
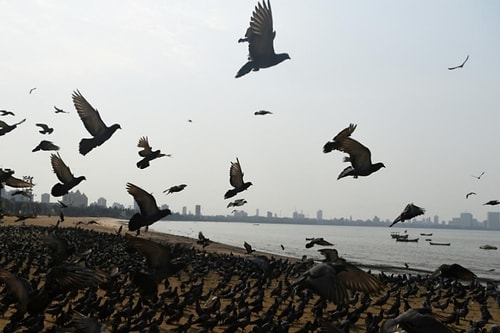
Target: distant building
257,212
464,221
436,219
76,199
319,215
269,214
297,215
117,205
45,198
493,221
197,210
101,202
240,213
184,210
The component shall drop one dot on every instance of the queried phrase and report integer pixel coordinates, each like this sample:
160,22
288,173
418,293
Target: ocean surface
369,247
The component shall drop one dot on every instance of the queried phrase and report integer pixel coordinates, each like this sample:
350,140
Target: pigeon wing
146,202
356,279
144,144
156,255
359,155
236,174
89,116
61,170
17,183
260,34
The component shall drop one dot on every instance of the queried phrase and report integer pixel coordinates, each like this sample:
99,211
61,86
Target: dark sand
211,278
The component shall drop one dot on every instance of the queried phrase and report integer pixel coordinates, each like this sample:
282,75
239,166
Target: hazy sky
152,65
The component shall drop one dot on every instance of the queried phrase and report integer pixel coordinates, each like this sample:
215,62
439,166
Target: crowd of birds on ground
60,272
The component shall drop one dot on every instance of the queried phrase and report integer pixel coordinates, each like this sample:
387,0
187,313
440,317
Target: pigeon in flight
454,271
46,146
408,213
9,180
236,180
63,173
260,37
416,320
237,203
492,203
469,194
317,241
248,247
147,153
44,128
175,188
32,89
262,112
459,66
359,155
5,128
58,110
478,177
149,211
6,113
93,123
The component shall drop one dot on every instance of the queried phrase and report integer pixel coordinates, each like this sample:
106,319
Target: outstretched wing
260,34
144,144
146,202
89,116
61,170
236,174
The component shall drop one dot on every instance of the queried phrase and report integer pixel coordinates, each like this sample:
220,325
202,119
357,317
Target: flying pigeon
93,123
260,36
147,153
236,180
459,66
237,203
6,113
63,173
359,155
58,110
5,128
408,213
44,128
45,145
262,112
175,188
149,211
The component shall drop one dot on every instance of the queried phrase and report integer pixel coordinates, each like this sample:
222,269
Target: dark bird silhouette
415,321
6,176
359,155
236,180
62,204
58,110
63,173
93,123
260,37
85,324
175,188
5,128
6,113
459,66
149,211
262,112
237,203
147,153
32,89
454,271
22,193
408,213
478,177
204,241
248,247
492,203
469,194
45,129
46,146
317,241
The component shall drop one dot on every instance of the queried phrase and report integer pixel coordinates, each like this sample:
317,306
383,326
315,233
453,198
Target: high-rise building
493,221
184,210
76,199
319,215
45,198
101,202
197,210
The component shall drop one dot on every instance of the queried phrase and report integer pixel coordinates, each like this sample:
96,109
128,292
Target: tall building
45,198
493,221
184,210
197,210
76,199
101,202
319,215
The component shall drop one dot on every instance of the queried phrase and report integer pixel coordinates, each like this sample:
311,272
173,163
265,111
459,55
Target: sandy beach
190,319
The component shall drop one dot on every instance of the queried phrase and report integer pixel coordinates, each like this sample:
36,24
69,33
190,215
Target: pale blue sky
152,65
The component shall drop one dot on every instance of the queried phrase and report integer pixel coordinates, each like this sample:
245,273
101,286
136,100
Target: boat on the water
438,243
396,235
488,247
425,234
406,239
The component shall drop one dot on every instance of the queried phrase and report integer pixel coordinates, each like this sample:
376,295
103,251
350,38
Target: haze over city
153,66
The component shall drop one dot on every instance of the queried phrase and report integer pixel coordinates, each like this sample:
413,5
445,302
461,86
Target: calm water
369,247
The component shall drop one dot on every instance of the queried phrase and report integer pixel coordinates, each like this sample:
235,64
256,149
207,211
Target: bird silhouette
58,110
202,240
359,155
260,37
6,176
147,153
5,128
408,213
248,247
6,113
63,173
262,112
93,123
45,145
454,271
469,194
236,180
478,177
459,66
492,203
149,211
237,203
416,321
32,89
317,241
45,129
175,188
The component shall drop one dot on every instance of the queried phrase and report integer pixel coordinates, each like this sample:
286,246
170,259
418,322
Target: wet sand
211,280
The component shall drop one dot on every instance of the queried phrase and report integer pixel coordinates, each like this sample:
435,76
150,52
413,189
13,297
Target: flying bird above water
175,188
459,66
248,247
6,113
408,213
260,37
149,211
66,178
5,128
237,203
46,146
147,153
236,180
44,128
359,155
492,203
93,123
262,112
317,241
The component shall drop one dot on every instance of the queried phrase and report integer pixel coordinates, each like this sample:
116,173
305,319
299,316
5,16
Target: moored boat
406,239
425,234
438,243
488,247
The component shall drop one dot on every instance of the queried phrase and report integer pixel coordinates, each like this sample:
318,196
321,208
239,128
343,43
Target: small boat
488,247
425,234
396,234
442,244
406,239
428,239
